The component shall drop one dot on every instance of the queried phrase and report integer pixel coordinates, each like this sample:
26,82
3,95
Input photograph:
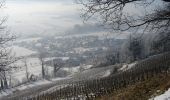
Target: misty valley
74,54
84,49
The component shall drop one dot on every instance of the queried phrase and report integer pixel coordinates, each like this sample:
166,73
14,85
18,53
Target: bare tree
135,48
114,14
162,44
26,68
6,59
57,65
41,58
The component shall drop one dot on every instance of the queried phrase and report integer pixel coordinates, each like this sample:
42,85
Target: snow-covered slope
87,74
21,51
165,96
28,87
33,65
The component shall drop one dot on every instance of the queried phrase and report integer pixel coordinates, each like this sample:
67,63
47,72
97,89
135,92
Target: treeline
91,89
137,47
134,48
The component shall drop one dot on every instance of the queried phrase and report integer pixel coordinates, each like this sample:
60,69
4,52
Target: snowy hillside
21,51
165,96
87,74
34,68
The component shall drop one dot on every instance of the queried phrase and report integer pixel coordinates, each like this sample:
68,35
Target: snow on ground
28,40
27,86
107,73
21,51
77,69
165,96
23,87
72,69
51,58
86,74
101,35
81,50
127,66
33,65
32,84
18,74
87,66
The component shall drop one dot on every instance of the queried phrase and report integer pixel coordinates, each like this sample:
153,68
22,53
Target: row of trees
137,48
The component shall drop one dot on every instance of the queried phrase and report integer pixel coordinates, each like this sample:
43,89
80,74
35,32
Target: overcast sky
41,16
48,16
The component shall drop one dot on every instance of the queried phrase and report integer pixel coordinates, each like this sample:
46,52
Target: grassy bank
142,90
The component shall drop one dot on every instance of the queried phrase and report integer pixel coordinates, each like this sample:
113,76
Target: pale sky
41,16
47,16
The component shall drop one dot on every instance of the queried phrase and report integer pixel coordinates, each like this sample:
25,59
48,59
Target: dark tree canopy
113,13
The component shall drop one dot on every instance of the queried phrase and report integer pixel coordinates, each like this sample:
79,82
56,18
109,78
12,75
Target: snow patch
77,69
165,96
28,40
34,68
62,58
72,70
127,66
87,66
21,51
107,73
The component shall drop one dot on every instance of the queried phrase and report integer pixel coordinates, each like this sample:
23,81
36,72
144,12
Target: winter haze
84,49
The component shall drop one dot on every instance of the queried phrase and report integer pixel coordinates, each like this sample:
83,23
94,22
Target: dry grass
141,90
